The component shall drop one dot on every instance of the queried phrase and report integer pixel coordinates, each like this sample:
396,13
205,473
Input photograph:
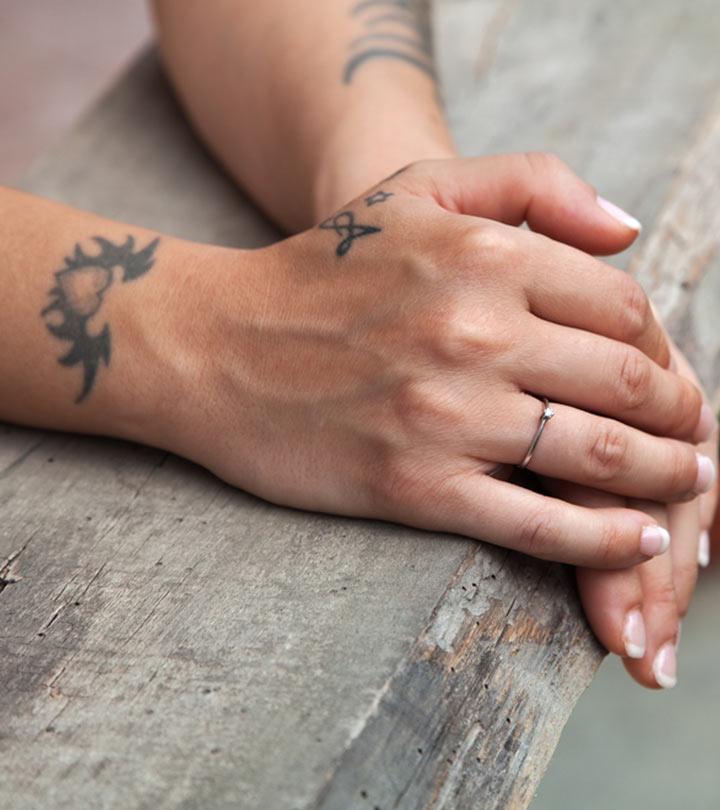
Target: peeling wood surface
169,642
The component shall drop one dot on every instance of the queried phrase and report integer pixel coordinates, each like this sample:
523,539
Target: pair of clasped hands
394,377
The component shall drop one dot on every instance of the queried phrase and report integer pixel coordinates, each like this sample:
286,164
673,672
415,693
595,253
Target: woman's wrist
204,320
161,349
368,147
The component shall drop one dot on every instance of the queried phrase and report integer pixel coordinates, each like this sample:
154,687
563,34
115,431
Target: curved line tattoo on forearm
384,53
78,294
414,48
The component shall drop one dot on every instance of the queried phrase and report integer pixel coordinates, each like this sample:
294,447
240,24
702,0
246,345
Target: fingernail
705,474
704,550
706,423
665,666
618,214
634,635
654,540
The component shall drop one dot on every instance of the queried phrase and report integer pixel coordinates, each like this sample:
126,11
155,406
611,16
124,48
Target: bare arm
91,319
306,108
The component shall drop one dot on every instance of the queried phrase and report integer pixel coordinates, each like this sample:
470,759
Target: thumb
536,188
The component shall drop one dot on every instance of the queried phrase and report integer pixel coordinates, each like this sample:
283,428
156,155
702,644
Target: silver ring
545,417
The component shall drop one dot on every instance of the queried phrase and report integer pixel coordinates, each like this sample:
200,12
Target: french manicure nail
705,474
665,666
654,540
618,214
704,550
706,423
634,635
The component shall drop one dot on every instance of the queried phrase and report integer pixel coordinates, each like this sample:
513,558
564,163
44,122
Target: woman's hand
636,612
381,364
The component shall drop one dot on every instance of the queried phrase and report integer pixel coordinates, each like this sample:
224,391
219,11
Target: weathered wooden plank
614,90
476,707
175,643
680,261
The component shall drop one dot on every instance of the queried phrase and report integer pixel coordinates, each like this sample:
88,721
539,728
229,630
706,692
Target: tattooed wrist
396,30
74,313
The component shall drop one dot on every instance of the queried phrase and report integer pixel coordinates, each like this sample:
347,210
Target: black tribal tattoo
80,287
344,226
393,30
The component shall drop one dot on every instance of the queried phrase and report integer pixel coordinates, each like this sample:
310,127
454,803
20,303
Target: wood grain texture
680,262
169,642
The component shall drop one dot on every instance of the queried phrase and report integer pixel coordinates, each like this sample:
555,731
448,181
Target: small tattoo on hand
344,225
377,197
80,287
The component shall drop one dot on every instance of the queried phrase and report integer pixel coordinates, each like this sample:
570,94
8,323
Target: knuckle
610,542
607,452
684,412
634,312
493,243
682,471
451,336
663,596
454,336
686,409
634,379
537,532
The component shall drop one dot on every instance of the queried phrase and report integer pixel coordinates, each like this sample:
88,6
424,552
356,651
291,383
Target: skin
383,360
661,589
278,369
349,137
387,117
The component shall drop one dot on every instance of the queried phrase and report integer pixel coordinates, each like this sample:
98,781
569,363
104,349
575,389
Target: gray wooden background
169,642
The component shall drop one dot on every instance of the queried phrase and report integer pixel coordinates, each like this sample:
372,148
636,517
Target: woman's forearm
306,108
89,309
375,366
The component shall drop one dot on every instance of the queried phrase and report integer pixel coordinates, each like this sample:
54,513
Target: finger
568,287
612,600
709,501
709,447
658,667
599,452
470,503
536,188
684,526
605,376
